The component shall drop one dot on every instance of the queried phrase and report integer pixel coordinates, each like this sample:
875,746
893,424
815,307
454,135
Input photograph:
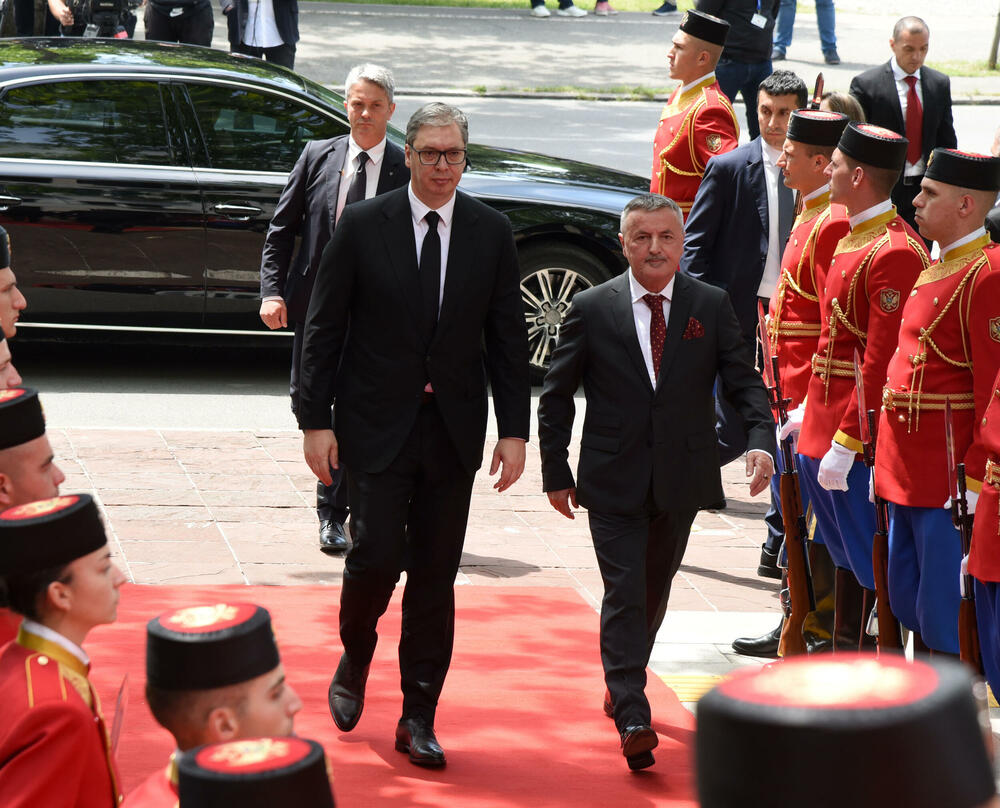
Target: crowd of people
808,244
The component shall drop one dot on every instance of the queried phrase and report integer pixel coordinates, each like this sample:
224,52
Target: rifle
802,599
968,630
814,102
889,636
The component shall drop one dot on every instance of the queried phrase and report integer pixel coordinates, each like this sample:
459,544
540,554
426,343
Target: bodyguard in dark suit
647,347
280,28
735,237
911,100
329,175
416,305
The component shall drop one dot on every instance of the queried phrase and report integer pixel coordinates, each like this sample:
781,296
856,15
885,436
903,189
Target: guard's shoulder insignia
888,300
714,142
995,329
44,679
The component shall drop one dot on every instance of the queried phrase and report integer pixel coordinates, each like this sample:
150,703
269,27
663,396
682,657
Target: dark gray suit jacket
306,209
875,90
364,318
638,439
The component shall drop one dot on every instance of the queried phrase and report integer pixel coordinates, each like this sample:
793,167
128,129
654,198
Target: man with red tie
698,121
913,100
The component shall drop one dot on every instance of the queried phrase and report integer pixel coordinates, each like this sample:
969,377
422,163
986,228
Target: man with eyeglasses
329,175
425,277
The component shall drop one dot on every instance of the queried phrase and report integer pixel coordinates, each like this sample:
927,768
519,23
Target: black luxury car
137,180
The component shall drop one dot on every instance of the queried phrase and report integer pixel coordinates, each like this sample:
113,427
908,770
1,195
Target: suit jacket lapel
334,167
392,161
755,171
680,310
397,236
892,97
461,249
621,307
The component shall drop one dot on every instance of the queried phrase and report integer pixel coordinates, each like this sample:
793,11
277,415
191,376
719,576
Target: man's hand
562,499
274,313
760,468
834,467
61,12
509,453
320,448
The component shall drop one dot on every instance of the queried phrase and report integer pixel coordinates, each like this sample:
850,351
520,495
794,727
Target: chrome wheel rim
548,296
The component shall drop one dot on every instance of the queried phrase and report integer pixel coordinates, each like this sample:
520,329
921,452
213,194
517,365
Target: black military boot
847,618
818,626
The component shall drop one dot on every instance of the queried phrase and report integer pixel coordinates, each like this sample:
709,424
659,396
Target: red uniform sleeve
713,132
47,763
890,278
984,339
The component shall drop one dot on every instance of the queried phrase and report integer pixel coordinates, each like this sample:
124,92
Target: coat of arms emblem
888,300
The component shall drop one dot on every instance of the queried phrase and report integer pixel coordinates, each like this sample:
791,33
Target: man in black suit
426,278
911,100
309,208
735,235
647,347
269,30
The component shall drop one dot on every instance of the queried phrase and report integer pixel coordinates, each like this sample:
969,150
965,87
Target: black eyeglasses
431,157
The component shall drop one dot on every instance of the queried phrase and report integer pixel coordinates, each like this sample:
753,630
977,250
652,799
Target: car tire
550,275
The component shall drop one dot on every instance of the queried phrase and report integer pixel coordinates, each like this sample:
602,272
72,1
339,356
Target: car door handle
239,213
9,201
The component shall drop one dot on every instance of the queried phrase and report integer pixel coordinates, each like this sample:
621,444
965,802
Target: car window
249,130
85,121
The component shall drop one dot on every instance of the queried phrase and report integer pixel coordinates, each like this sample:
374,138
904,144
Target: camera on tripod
102,18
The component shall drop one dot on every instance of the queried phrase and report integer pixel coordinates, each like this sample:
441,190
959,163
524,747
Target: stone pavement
230,507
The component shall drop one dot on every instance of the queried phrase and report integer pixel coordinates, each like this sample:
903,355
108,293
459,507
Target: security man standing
698,121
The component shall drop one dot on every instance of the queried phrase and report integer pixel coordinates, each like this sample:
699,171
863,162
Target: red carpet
520,718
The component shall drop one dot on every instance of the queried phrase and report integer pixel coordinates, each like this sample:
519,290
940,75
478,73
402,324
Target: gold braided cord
776,327
831,367
891,399
992,473
799,329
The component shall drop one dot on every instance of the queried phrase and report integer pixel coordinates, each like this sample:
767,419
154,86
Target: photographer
190,22
92,18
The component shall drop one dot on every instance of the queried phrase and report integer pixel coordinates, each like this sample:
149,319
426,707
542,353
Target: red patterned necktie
657,329
914,122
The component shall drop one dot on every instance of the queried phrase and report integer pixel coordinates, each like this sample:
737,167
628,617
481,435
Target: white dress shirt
644,317
690,84
903,89
772,264
261,30
372,170
870,213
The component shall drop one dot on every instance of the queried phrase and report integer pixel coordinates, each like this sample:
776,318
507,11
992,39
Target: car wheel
550,275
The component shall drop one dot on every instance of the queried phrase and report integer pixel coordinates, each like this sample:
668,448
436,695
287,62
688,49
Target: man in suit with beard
329,175
427,280
647,347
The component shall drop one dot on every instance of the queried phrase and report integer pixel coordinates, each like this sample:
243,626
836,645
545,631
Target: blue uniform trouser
925,558
988,620
826,21
776,499
845,518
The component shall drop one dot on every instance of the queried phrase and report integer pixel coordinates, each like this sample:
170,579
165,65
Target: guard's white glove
971,498
834,466
794,422
871,486
963,571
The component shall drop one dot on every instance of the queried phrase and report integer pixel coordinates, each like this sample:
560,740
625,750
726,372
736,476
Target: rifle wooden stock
968,636
889,638
799,575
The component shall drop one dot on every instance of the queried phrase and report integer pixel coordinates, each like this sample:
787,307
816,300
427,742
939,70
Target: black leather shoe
638,743
416,736
765,646
665,9
332,540
609,706
831,57
768,567
777,54
347,694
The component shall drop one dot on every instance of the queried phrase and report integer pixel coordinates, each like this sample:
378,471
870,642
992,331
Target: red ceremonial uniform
54,747
949,348
695,125
794,324
8,626
159,790
871,273
984,557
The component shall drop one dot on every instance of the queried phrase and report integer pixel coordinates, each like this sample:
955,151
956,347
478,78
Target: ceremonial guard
213,674
698,121
56,571
871,273
257,773
984,559
949,350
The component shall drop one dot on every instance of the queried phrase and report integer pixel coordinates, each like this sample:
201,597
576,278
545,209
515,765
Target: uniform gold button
935,301
984,422
913,293
796,242
901,417
43,660
843,273
833,261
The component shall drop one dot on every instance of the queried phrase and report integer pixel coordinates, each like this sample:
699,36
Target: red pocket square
694,329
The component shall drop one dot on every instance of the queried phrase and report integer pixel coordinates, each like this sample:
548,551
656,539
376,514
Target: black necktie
430,274
359,185
786,213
